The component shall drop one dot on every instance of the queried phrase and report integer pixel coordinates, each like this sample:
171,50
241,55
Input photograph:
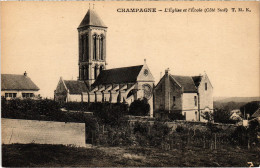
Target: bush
179,129
176,116
250,107
151,135
139,108
45,109
28,108
76,106
222,116
243,135
109,113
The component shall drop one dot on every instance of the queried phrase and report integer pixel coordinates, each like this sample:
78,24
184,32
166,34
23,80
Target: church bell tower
92,47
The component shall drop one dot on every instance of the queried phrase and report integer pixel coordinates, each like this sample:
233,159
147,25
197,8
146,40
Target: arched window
86,72
82,73
95,72
94,47
86,49
101,46
101,68
82,48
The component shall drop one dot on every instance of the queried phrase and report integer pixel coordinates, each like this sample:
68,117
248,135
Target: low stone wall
42,132
202,126
194,125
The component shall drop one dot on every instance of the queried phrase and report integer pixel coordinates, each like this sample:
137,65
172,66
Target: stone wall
74,97
192,125
42,132
202,126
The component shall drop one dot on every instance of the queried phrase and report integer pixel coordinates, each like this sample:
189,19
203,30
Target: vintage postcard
130,84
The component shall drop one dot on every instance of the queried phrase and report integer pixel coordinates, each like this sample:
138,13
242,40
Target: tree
222,116
250,107
139,108
208,116
219,116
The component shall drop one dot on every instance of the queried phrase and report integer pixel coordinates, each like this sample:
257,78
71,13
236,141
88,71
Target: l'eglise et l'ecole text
136,9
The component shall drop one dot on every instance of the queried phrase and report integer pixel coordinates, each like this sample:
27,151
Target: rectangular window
10,95
206,86
174,99
26,95
195,100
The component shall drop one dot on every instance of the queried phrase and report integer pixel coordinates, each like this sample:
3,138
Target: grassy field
36,155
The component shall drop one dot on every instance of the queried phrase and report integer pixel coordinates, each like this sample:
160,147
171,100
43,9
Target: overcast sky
42,38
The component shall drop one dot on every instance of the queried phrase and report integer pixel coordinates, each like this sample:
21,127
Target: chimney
25,73
167,71
167,90
144,61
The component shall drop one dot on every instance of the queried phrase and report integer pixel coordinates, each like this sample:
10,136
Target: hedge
45,109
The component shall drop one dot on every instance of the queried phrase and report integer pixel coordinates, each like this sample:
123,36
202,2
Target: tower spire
92,47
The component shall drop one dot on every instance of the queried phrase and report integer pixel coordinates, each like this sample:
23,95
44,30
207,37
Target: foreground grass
40,155
59,156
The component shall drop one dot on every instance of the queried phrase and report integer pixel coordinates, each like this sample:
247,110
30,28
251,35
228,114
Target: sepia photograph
130,84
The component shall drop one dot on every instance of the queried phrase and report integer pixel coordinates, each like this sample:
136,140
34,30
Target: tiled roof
186,83
197,80
91,19
118,75
76,87
257,113
17,82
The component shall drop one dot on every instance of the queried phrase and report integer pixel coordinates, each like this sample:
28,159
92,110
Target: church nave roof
118,75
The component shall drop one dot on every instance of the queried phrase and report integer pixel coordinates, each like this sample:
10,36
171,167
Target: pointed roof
92,19
197,80
17,82
118,75
75,86
257,113
186,82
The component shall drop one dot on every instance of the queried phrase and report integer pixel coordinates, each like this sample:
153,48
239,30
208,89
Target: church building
96,83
